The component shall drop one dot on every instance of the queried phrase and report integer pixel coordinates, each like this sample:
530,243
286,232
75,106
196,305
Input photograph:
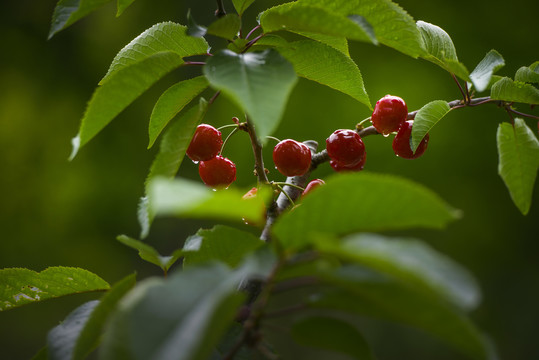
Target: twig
260,170
252,42
521,114
220,12
213,97
466,100
194,63
252,31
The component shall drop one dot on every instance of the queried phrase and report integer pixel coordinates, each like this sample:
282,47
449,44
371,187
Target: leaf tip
75,143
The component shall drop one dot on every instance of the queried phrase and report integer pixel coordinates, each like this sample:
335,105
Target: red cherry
313,185
345,147
389,113
340,168
217,172
292,158
205,144
402,145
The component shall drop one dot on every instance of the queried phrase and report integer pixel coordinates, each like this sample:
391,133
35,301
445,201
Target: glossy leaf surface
259,83
327,66
426,118
483,72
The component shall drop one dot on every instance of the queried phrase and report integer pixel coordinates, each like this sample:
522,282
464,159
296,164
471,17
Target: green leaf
259,83
90,336
68,12
337,42
392,25
302,17
529,74
364,201
426,118
165,36
222,243
242,5
149,254
365,292
120,90
122,5
185,198
331,334
23,286
327,66
182,317
226,27
482,73
171,102
411,261
518,151
62,338
514,91
440,49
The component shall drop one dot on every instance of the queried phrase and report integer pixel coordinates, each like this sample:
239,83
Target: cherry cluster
345,148
215,170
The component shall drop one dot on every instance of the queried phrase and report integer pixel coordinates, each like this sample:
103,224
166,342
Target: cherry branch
220,12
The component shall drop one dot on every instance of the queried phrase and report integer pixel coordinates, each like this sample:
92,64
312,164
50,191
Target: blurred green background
55,212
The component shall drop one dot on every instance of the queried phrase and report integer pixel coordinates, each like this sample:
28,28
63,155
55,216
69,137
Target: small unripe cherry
312,185
218,172
389,113
250,194
292,158
345,147
205,144
341,168
402,144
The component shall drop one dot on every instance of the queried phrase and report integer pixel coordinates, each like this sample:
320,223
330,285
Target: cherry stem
227,126
286,194
287,184
228,137
273,138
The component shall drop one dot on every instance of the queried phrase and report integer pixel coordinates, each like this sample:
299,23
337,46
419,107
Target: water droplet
385,135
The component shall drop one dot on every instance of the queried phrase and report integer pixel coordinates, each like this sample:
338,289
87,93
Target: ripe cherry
345,147
292,158
313,185
341,168
218,172
389,113
205,144
402,145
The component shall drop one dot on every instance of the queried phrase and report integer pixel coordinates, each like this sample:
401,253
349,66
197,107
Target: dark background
54,212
